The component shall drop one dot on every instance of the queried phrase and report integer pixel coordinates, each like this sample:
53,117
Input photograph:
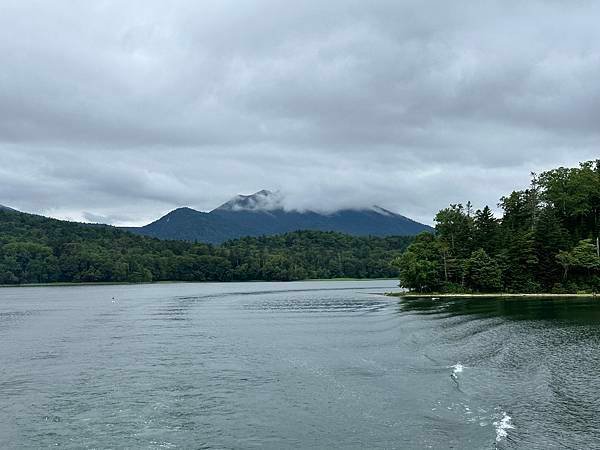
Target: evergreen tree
550,238
482,273
486,231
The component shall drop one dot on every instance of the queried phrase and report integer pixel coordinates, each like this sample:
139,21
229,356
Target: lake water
294,365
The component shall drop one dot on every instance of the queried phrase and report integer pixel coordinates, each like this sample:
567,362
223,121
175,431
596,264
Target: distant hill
6,208
262,214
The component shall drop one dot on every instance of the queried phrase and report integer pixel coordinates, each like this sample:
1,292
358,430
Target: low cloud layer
120,111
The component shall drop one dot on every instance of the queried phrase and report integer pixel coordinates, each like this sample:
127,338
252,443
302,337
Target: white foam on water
502,426
457,368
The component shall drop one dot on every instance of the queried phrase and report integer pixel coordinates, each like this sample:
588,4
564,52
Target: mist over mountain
263,200
264,213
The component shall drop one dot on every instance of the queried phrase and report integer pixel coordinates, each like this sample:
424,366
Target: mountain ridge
262,213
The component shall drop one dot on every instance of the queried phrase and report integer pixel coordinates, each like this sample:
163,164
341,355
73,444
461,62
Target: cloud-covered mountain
262,213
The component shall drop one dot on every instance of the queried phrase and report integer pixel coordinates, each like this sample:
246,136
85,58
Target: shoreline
144,283
505,295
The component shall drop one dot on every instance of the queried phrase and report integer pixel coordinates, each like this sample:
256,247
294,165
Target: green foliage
421,265
574,193
545,240
482,273
454,227
519,262
314,254
582,258
36,249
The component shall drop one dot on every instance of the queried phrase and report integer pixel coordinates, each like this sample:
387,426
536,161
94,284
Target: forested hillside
546,240
35,249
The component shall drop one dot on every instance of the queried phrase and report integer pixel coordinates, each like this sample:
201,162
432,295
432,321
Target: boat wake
503,422
502,426
457,368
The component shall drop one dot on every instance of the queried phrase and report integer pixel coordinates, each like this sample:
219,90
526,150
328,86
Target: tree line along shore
35,249
546,241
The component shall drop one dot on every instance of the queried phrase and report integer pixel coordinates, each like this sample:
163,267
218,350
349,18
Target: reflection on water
294,365
583,310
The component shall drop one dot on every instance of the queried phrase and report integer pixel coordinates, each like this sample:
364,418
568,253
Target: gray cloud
121,111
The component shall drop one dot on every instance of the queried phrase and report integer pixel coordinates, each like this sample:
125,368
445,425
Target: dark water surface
294,365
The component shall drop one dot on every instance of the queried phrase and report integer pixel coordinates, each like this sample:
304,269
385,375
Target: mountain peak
263,214
382,211
263,200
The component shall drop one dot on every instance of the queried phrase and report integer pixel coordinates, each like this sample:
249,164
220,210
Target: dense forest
545,241
35,249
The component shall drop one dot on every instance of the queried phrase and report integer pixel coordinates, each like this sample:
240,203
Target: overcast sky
120,111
